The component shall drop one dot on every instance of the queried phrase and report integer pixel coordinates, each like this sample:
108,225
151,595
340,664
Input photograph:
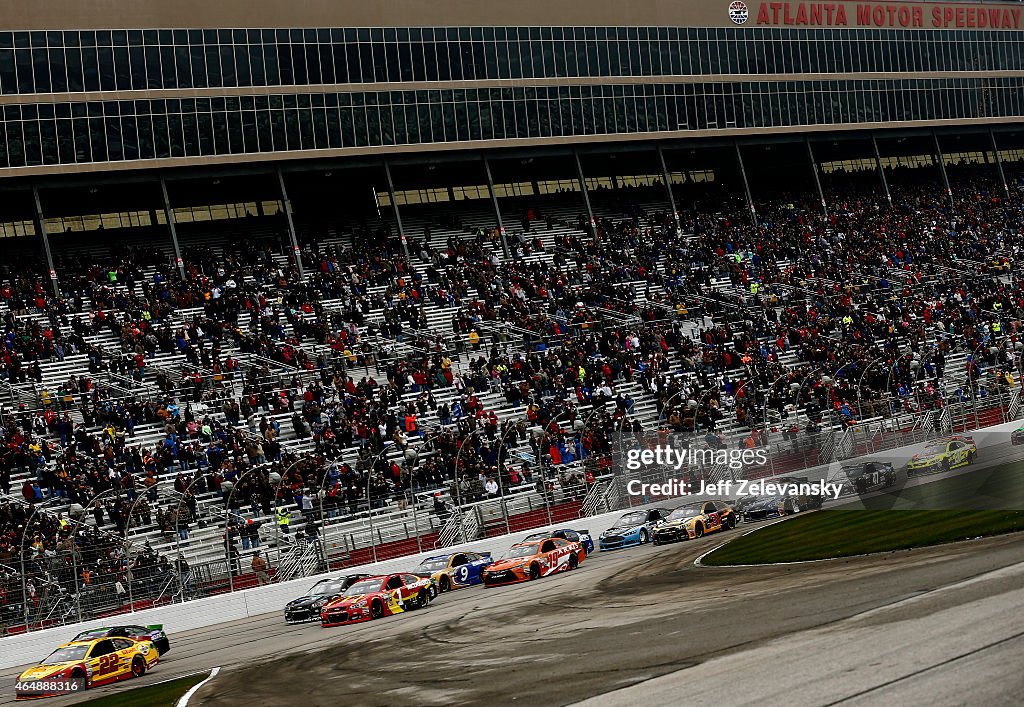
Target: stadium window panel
444,69
359,122
429,61
129,137
380,65
412,122
57,70
373,126
228,74
236,141
298,64
285,72
23,65
161,138
242,66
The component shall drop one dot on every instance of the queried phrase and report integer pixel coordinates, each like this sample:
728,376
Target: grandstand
306,279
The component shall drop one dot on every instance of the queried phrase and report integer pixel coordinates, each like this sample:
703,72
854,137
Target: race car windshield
364,587
433,565
684,512
66,654
633,519
521,551
327,586
935,447
87,635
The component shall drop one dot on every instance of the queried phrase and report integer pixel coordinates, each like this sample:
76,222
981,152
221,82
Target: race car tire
644,537
421,600
433,592
731,523
574,562
534,571
138,667
796,507
80,675
970,457
698,530
446,584
945,464
376,610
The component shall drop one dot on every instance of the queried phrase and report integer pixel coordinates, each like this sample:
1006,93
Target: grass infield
842,533
164,694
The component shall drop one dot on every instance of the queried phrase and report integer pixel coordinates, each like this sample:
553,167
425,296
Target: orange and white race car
532,560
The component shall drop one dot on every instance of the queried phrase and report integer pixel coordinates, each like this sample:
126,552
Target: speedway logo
764,487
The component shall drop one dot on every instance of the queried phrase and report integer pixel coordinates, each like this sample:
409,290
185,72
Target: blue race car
461,569
576,536
633,528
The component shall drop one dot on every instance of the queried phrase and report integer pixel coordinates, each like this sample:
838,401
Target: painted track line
192,690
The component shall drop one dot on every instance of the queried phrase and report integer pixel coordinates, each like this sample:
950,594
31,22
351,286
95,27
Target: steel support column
999,162
169,216
942,167
881,170
394,210
41,230
746,184
817,177
291,225
586,196
668,188
497,208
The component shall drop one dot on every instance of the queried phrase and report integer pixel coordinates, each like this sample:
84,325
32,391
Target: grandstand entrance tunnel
115,209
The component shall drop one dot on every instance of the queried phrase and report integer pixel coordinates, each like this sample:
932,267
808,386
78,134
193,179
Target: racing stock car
1017,436
308,606
692,520
575,536
461,569
943,454
633,528
83,664
154,633
534,559
374,597
870,475
773,506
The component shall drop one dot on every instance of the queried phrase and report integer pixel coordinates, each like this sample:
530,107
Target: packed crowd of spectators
774,329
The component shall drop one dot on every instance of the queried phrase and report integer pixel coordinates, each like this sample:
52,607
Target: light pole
458,479
369,503
21,553
860,383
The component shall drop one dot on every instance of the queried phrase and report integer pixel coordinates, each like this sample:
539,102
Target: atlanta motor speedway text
741,487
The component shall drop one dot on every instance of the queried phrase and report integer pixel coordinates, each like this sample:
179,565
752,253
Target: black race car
307,607
154,633
870,475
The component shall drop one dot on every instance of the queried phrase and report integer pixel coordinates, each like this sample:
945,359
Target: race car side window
101,648
548,546
409,579
121,643
394,583
459,560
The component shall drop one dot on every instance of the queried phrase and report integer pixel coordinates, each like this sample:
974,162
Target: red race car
374,597
531,560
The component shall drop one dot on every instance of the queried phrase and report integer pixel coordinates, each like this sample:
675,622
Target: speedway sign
895,15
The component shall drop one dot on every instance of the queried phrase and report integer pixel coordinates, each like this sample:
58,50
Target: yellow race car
692,520
79,665
942,455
